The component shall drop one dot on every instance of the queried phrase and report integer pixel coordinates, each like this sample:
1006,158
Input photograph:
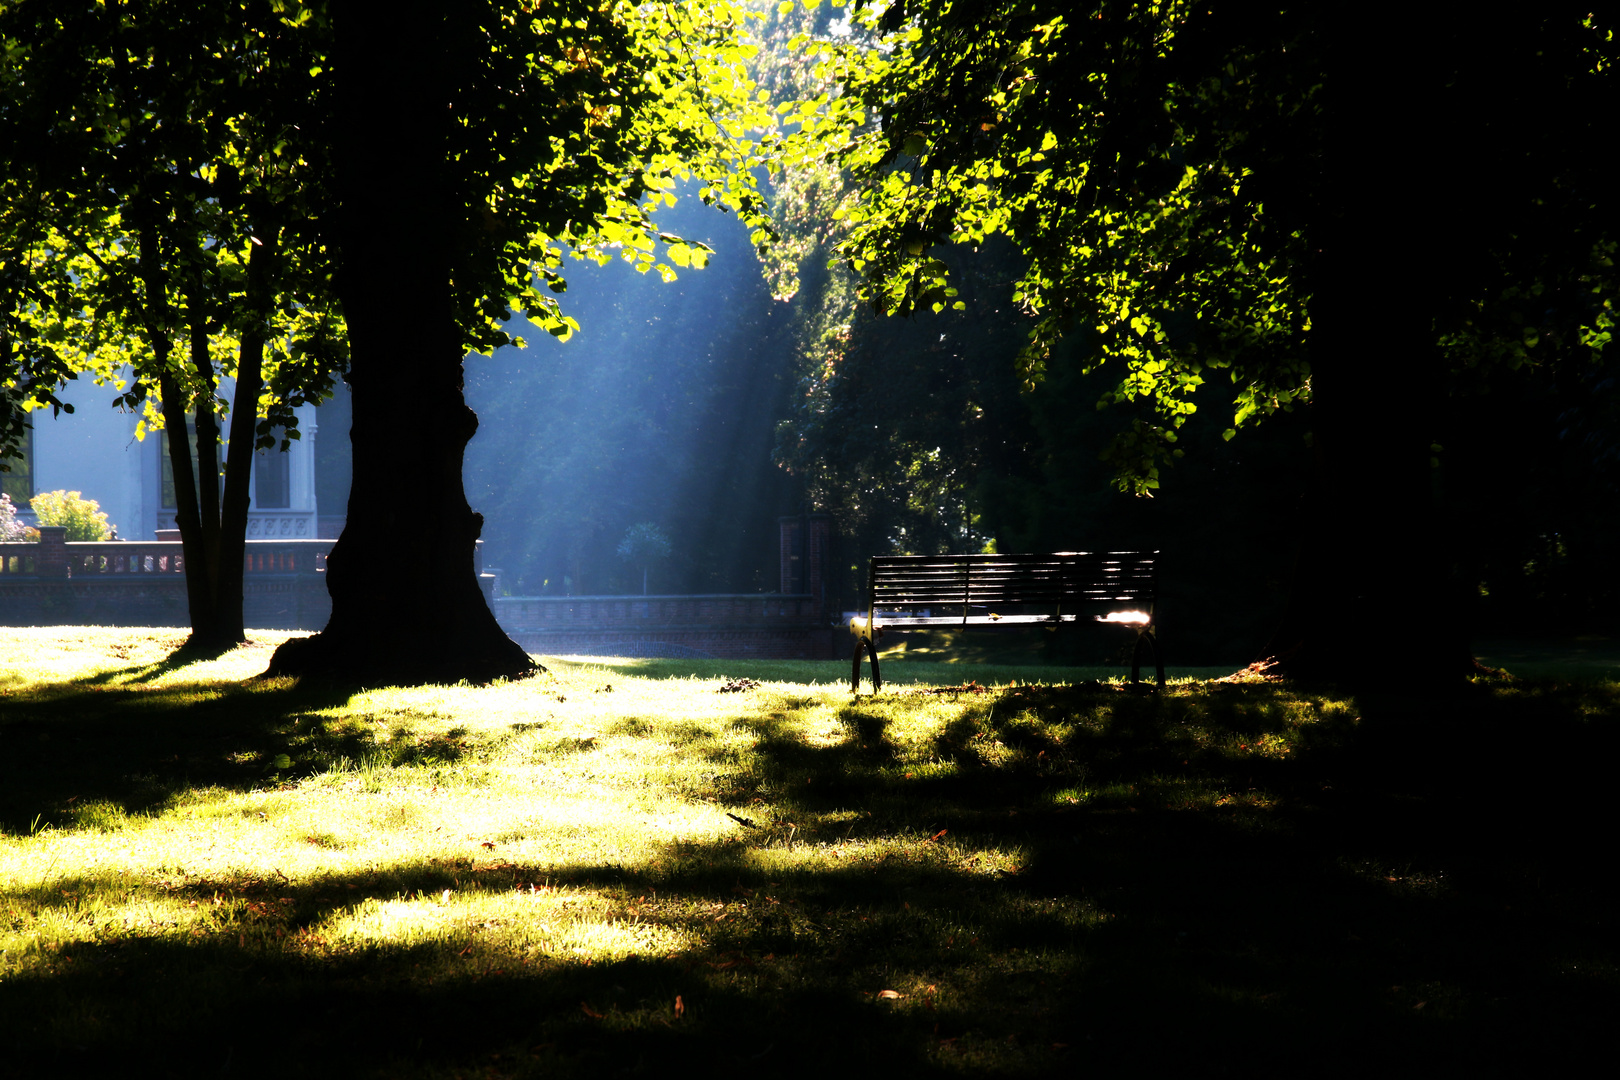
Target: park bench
941,591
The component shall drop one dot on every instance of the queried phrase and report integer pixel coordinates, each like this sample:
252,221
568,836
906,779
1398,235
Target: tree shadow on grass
138,674
1416,889
1425,867
136,747
1143,957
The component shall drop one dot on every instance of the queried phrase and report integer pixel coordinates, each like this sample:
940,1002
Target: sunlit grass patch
970,874
522,924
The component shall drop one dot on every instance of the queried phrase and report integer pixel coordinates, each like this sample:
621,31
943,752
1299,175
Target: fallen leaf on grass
588,1011
888,993
680,1007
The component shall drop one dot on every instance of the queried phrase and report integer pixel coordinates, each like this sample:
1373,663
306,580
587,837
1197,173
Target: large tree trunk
406,606
1371,602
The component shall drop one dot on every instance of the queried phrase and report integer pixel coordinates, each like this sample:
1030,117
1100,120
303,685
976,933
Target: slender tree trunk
175,408
213,530
209,633
406,606
186,516
243,431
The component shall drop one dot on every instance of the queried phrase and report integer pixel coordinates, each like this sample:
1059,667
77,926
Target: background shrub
82,517
8,519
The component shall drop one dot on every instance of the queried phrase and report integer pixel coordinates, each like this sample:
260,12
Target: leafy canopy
150,151
1170,168
181,134
577,122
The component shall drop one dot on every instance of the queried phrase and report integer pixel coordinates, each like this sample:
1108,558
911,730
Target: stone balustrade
53,557
733,625
538,613
143,583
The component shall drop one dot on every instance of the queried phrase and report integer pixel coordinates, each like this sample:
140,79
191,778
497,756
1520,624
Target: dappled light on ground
631,865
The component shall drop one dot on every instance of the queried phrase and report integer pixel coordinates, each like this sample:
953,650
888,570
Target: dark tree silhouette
1309,205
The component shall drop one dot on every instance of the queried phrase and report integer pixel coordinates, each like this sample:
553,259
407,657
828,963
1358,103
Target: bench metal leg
1152,642
855,668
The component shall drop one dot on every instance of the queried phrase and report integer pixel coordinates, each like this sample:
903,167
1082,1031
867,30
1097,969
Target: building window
166,464
19,482
272,479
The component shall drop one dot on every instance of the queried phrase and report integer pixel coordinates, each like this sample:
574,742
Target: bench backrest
1065,577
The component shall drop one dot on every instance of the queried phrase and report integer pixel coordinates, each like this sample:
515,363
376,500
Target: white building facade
94,451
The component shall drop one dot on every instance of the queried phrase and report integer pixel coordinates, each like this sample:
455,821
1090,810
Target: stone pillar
806,557
818,561
51,561
790,530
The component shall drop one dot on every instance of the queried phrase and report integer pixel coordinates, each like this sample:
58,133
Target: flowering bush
9,529
81,517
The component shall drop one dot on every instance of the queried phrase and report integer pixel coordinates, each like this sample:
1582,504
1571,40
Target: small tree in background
81,517
642,546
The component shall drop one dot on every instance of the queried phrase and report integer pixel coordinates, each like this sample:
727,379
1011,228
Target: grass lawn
654,867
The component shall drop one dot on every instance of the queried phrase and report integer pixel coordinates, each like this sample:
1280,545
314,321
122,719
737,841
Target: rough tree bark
406,606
